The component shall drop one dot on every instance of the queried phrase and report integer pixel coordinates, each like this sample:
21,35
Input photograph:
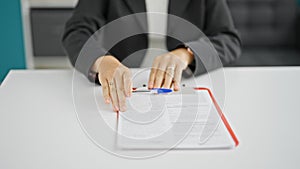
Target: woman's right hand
115,79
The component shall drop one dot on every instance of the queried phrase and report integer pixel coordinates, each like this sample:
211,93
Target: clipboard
135,145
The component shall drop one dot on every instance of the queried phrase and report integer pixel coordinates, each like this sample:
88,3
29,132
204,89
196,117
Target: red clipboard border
221,114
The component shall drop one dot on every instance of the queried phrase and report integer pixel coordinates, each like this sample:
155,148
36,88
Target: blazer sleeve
87,18
221,36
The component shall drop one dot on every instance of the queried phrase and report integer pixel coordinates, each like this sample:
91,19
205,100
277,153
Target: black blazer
212,17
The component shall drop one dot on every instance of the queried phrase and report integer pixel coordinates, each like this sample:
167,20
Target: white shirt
157,27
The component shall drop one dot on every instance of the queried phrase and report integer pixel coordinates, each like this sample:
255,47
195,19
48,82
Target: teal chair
12,55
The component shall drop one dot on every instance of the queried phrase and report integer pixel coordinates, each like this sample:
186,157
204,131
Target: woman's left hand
167,69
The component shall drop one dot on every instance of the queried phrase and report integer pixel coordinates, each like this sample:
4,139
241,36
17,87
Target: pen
154,90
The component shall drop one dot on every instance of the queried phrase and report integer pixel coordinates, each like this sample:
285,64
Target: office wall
11,42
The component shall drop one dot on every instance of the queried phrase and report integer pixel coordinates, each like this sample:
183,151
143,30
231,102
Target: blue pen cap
162,90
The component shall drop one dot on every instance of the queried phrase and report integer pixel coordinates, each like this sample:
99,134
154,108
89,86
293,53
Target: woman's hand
115,79
167,69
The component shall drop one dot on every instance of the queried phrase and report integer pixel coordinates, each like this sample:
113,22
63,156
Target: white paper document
180,120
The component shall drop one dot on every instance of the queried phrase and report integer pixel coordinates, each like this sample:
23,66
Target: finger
152,74
113,95
127,83
169,75
177,78
160,74
121,93
105,90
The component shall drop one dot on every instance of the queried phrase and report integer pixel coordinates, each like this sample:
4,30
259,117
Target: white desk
39,128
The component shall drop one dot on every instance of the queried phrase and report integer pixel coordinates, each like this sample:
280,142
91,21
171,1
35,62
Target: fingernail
107,101
150,85
176,88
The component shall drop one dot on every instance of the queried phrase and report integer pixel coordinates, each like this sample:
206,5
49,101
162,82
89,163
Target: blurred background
31,33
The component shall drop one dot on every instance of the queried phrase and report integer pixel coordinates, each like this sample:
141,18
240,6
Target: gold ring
172,68
170,71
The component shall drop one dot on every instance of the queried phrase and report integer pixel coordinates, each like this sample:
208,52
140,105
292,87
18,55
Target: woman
212,17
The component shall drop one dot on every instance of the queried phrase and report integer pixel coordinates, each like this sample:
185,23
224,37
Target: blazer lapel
138,6
177,8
